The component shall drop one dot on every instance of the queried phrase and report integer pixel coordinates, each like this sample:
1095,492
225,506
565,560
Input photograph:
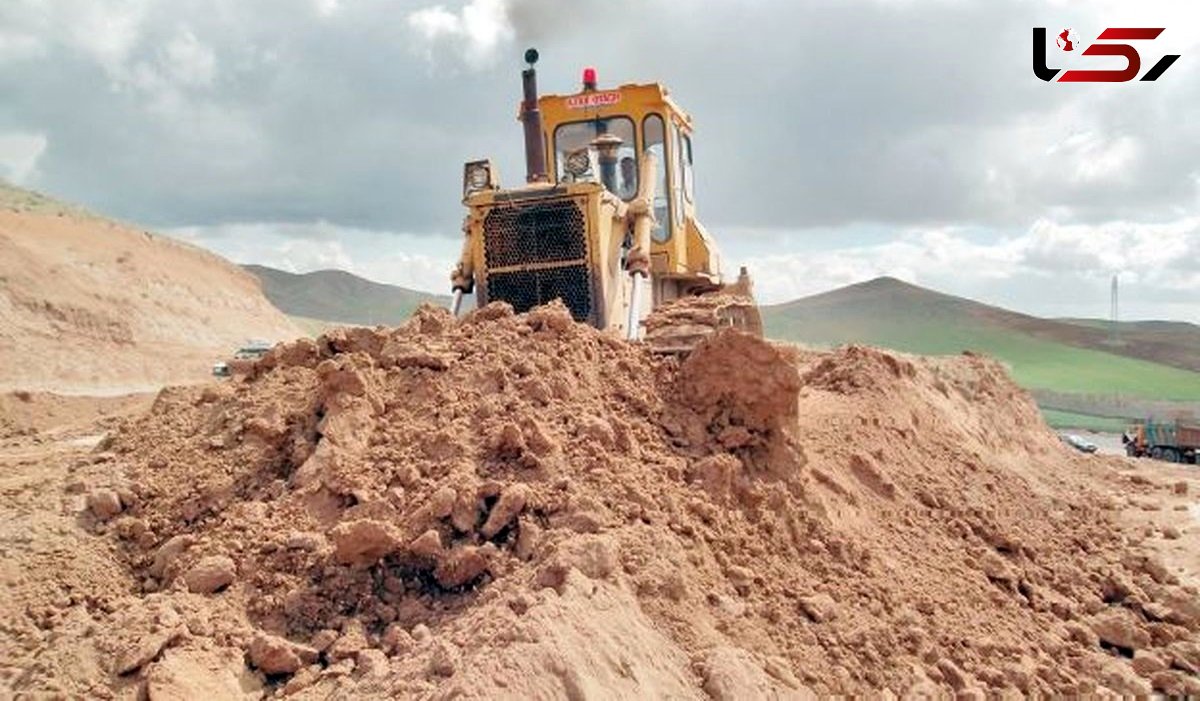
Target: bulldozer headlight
477,176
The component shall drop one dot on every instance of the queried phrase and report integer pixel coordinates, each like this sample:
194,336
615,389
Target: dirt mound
91,306
520,506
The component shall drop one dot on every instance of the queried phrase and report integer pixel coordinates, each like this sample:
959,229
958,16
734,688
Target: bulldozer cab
646,120
608,208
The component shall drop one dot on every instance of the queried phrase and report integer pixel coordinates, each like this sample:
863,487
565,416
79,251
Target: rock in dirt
371,663
396,640
304,540
740,577
528,536
594,556
363,542
1082,634
144,649
820,607
732,674
104,504
1185,655
717,473
273,655
349,644
440,505
208,675
428,545
168,552
210,574
465,515
953,674
302,680
508,507
461,566
322,639
443,661
1115,628
1150,564
1147,664
1182,607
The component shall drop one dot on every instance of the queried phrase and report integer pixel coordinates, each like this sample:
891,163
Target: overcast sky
836,140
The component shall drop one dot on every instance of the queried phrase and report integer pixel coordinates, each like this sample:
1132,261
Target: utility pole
1114,334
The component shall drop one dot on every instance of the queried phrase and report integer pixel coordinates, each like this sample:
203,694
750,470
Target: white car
1078,443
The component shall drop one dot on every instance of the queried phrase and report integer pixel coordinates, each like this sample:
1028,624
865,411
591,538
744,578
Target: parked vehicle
1176,440
1078,443
242,359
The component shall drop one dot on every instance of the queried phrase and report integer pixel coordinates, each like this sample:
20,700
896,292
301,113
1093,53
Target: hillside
1175,343
1043,354
335,295
89,305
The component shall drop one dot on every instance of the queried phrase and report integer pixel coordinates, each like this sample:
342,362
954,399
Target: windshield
653,138
577,137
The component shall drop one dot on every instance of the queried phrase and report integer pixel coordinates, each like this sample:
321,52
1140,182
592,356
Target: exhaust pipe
531,117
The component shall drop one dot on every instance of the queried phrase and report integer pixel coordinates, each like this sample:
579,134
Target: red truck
1173,441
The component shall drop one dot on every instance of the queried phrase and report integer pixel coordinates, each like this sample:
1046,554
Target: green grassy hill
1175,343
338,296
1043,354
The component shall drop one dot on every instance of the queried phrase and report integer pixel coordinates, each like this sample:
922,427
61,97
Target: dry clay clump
517,504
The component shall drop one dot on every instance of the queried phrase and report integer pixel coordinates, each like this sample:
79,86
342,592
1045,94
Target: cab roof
636,99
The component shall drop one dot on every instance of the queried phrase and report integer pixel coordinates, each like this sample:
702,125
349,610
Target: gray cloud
828,132
816,113
304,116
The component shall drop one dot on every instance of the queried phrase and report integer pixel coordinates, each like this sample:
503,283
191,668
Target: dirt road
62,582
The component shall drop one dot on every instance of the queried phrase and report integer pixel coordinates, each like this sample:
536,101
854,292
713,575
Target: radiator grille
525,289
534,232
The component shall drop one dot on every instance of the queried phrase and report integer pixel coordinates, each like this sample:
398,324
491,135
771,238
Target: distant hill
1156,360
89,305
338,296
1069,364
1175,343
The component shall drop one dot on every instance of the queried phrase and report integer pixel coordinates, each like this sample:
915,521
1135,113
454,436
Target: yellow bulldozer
608,208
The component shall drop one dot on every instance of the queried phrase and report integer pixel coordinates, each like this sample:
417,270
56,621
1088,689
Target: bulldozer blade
678,326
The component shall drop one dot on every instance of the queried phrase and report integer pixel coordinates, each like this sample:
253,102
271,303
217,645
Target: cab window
577,137
689,183
654,140
676,186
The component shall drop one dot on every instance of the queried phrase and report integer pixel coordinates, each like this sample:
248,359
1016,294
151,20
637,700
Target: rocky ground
519,506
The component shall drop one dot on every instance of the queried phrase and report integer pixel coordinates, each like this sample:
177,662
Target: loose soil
519,506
